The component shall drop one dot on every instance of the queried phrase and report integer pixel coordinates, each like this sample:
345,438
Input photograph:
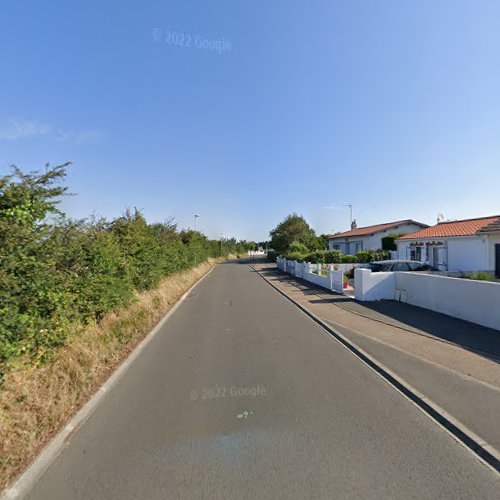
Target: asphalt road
243,396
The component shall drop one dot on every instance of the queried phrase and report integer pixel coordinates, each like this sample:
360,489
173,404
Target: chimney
354,225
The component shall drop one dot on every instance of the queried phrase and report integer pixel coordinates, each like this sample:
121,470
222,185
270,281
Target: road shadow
470,336
247,261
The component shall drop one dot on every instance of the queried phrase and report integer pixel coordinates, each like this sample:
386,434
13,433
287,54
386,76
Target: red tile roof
467,227
369,230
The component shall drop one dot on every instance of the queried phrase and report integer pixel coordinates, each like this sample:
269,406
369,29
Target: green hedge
389,241
336,257
372,255
55,271
272,255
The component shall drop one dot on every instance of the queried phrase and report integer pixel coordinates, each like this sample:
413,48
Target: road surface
241,395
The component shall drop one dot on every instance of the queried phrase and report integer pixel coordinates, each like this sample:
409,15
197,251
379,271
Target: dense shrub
272,255
296,246
55,271
363,256
317,257
349,259
371,255
389,241
333,257
479,276
297,256
336,257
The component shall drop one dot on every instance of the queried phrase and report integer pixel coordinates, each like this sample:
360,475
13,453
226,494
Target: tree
293,228
31,291
322,242
389,241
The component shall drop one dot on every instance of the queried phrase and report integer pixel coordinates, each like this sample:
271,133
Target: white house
370,237
463,245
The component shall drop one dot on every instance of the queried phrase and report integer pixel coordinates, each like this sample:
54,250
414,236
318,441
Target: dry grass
36,402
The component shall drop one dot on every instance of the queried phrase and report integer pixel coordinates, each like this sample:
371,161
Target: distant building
463,245
370,237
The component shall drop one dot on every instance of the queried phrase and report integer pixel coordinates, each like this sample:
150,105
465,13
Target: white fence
334,279
253,253
475,301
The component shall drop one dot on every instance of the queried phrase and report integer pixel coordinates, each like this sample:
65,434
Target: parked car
399,265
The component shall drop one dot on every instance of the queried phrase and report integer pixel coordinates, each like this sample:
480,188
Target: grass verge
35,402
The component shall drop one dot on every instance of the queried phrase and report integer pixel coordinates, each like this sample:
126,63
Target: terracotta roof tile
467,227
369,230
492,227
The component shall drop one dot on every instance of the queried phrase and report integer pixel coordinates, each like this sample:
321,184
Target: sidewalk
454,363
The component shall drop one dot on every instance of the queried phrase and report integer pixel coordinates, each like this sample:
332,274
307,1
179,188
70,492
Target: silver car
399,265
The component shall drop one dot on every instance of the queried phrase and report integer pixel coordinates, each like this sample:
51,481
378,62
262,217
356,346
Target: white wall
373,286
475,301
468,254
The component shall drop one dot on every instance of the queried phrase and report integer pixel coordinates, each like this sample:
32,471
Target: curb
27,479
486,453
382,322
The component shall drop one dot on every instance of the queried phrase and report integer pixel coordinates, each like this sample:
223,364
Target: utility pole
345,205
350,208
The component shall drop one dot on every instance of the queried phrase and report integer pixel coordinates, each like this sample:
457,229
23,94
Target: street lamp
195,217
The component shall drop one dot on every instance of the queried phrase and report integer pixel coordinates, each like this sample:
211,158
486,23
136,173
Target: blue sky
390,105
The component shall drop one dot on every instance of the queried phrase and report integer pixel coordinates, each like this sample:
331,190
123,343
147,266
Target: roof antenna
440,218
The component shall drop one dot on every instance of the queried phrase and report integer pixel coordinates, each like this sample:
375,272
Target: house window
416,253
335,247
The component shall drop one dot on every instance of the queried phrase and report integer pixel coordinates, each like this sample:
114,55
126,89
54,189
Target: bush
333,257
389,241
371,255
317,257
480,276
363,256
348,259
299,257
379,255
55,271
297,247
272,255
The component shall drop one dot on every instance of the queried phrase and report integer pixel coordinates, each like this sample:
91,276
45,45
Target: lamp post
195,217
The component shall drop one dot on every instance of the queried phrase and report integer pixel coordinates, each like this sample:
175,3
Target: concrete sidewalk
454,363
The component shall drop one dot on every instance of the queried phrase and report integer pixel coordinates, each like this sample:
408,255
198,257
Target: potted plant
349,275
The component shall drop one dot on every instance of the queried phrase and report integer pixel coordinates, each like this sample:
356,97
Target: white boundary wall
334,280
475,301
374,286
